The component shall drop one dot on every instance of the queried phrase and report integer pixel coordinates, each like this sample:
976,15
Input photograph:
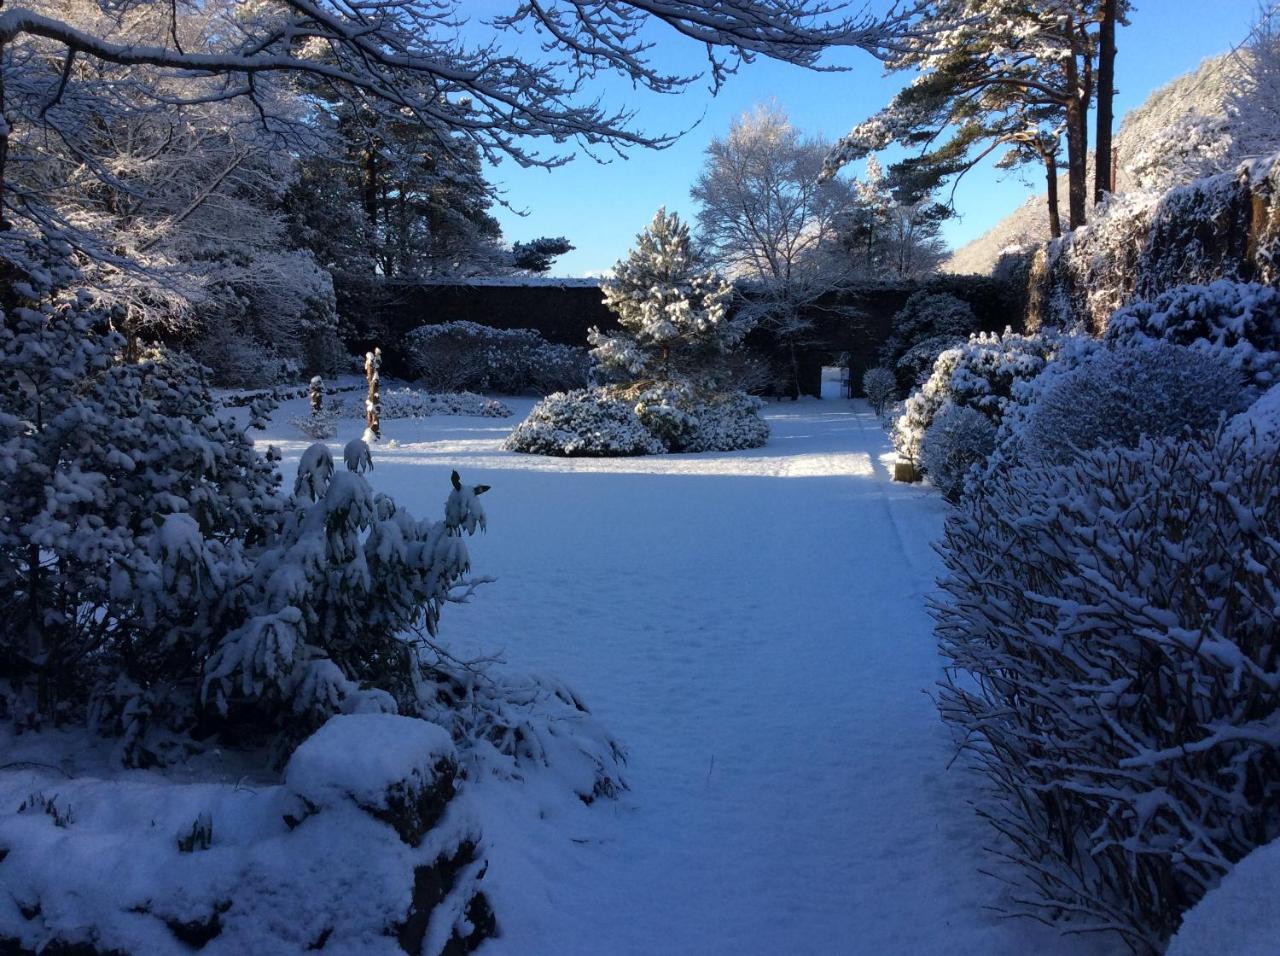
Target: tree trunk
1077,146
1103,171
1051,178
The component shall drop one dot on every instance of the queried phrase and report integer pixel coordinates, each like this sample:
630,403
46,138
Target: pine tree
675,317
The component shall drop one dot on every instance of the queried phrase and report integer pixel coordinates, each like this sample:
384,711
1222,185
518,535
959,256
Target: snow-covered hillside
1204,92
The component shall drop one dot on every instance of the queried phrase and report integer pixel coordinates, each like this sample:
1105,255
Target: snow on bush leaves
644,419
1118,396
586,422
981,374
1239,320
1112,627
958,438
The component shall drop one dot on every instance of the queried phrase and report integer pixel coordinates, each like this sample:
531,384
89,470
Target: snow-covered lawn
752,627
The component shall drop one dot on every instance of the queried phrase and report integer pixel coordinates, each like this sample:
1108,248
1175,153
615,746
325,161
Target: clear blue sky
601,207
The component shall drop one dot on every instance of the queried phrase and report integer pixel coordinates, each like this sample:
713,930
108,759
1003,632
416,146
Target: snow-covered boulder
1241,917
398,769
141,862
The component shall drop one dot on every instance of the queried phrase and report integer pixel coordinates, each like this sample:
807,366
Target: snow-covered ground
752,627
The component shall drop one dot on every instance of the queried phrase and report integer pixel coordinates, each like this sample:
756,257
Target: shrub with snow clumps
1112,627
980,374
585,423
1118,396
958,438
644,419
1238,320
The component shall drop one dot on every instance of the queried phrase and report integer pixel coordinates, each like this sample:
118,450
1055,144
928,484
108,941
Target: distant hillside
1204,91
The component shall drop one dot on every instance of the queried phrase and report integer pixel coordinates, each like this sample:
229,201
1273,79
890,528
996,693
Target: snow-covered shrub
1118,396
1139,245
667,410
675,317
644,419
1112,627
586,422
728,421
108,472
467,356
928,324
408,402
1238,320
880,386
981,374
958,438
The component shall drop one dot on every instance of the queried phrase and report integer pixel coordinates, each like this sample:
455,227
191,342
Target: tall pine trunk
1077,106
1104,174
1051,179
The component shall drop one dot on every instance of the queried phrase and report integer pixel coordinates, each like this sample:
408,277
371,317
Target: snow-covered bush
880,386
958,438
1118,396
675,317
407,402
1139,245
586,422
108,471
1112,627
728,421
1239,320
644,419
928,324
467,356
981,374
667,410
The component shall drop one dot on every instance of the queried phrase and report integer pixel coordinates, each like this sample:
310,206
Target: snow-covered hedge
928,324
1112,627
647,419
468,356
1118,396
958,438
1240,321
1142,244
416,403
980,374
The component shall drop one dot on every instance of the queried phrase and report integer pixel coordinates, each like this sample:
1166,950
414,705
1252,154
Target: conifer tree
675,318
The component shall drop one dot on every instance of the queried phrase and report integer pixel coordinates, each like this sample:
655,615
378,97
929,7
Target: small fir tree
675,318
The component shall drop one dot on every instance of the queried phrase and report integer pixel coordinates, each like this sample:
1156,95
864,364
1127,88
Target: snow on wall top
563,282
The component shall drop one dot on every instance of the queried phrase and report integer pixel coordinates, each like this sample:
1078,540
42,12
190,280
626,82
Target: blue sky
601,207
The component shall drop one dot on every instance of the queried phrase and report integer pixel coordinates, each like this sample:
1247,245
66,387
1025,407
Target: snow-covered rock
139,862
398,769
